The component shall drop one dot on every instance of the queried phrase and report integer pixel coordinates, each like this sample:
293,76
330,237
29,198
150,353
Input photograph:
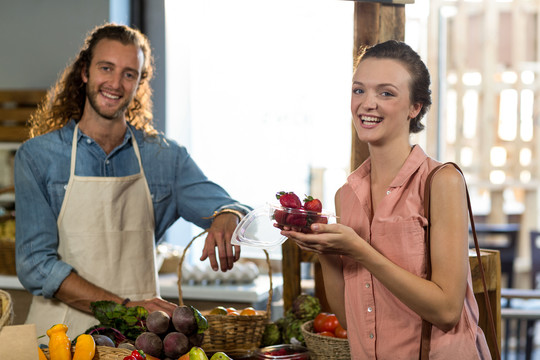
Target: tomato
327,333
330,323
318,321
340,332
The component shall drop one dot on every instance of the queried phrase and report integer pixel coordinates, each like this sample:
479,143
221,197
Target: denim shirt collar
67,135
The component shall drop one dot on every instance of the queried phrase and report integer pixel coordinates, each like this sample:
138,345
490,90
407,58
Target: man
99,185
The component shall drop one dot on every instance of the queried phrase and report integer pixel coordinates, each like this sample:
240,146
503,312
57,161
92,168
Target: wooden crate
16,106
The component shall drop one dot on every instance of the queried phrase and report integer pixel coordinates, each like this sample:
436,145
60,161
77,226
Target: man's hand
79,293
219,235
154,304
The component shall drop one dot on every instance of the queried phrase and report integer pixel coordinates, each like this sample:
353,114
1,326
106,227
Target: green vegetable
294,330
202,323
306,307
271,335
130,321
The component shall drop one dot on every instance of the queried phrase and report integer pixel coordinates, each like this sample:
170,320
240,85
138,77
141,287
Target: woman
373,261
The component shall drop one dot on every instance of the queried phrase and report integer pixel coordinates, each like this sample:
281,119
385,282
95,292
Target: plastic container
299,218
258,227
282,352
257,230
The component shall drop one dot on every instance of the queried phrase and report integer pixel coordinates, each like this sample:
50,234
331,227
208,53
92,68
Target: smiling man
97,186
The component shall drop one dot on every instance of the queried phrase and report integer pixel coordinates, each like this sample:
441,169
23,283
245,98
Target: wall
40,37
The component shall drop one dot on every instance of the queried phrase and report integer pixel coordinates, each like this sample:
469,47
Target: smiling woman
258,93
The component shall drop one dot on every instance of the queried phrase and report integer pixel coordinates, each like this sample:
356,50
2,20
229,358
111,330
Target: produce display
287,351
158,336
59,343
287,330
172,337
297,214
230,311
85,347
149,336
327,324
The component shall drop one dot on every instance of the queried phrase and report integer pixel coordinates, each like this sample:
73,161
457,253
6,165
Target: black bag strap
425,341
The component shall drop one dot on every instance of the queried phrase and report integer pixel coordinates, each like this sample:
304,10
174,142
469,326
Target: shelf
9,145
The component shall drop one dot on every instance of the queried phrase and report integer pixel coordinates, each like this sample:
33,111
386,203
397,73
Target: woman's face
380,101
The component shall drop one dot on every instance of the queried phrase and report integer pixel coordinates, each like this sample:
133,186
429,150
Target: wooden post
374,22
491,263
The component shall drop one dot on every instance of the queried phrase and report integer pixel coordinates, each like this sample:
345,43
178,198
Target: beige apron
106,232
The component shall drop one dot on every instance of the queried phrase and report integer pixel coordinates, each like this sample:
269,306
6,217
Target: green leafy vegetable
130,321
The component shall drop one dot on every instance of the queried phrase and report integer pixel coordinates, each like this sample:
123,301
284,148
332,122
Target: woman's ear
415,110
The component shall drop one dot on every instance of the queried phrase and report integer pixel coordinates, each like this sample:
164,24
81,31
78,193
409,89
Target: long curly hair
420,78
66,99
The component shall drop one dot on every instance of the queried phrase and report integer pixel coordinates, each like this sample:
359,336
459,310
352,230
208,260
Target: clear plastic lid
257,230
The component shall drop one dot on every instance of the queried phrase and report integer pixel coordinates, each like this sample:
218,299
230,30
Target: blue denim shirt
42,165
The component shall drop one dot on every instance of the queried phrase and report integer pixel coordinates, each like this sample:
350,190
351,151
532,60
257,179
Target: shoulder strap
425,342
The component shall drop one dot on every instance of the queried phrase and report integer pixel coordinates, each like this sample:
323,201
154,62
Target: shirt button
371,336
370,309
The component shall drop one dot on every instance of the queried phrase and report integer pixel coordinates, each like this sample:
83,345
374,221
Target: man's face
112,78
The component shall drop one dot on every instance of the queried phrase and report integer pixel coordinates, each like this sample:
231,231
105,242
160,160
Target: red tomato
340,332
318,322
330,323
327,333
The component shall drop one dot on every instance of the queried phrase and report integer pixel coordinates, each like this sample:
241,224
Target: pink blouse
379,325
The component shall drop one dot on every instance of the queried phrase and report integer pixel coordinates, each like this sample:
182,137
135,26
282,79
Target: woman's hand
336,239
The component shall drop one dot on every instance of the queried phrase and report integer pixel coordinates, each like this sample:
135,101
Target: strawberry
320,220
280,216
311,204
289,199
299,220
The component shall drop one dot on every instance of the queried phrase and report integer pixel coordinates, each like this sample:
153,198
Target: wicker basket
234,335
103,353
6,309
325,347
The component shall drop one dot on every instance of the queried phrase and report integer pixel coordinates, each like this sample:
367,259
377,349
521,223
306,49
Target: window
259,93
